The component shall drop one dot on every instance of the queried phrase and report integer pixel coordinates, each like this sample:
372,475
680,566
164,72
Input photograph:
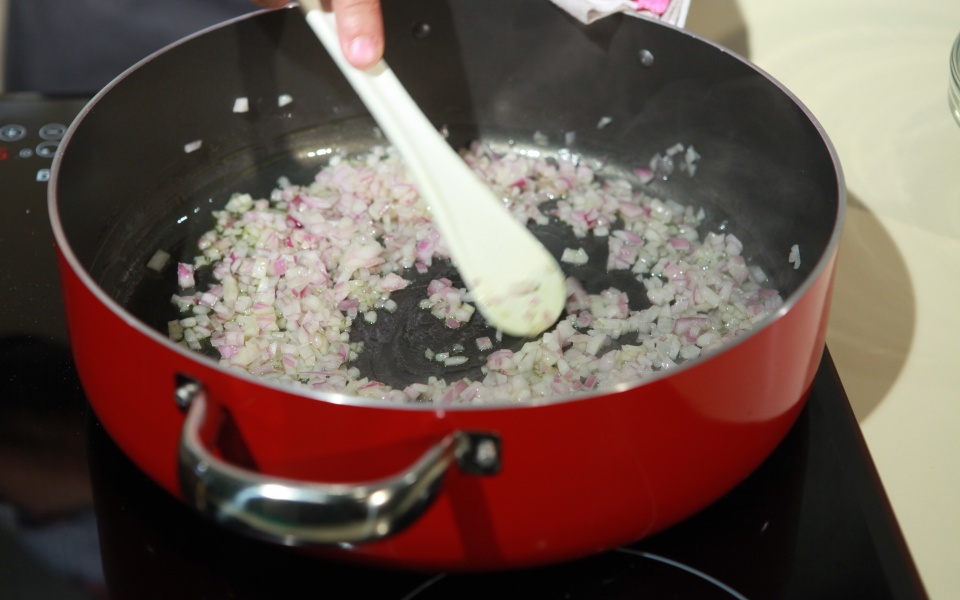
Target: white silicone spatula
516,283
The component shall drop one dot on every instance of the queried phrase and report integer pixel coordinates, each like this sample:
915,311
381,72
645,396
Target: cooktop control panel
30,134
29,137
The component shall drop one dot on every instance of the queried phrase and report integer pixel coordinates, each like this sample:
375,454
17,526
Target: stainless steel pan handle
294,512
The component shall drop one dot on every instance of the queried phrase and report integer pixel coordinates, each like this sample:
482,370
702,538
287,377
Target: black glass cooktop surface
78,520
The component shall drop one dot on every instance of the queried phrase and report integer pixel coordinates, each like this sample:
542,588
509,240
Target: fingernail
362,51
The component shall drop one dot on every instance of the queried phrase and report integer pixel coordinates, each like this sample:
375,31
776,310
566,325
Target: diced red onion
159,260
293,271
185,278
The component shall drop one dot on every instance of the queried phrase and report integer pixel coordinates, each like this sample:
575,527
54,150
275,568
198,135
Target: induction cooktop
79,520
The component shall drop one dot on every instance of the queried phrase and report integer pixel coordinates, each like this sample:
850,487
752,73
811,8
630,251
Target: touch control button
52,131
12,133
47,149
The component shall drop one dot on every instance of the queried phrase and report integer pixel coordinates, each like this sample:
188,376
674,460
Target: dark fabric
76,47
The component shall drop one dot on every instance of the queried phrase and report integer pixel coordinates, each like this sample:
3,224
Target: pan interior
397,346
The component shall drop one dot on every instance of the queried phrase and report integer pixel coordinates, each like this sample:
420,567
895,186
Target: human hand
359,27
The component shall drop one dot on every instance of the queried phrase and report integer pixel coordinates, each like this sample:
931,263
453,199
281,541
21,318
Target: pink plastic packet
588,11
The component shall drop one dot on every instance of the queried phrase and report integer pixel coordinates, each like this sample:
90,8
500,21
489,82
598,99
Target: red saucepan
413,485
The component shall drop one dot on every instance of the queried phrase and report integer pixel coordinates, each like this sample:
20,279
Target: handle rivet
645,57
486,454
186,390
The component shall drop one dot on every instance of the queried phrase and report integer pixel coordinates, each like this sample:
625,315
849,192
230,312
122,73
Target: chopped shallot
575,257
159,260
185,278
794,257
291,274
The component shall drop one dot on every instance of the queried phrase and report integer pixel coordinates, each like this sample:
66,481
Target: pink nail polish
362,51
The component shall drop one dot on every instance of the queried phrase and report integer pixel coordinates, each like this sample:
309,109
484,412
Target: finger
360,29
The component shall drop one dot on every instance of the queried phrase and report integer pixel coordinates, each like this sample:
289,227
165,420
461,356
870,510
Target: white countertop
876,75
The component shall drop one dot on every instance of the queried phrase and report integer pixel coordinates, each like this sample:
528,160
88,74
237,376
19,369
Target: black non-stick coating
506,70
